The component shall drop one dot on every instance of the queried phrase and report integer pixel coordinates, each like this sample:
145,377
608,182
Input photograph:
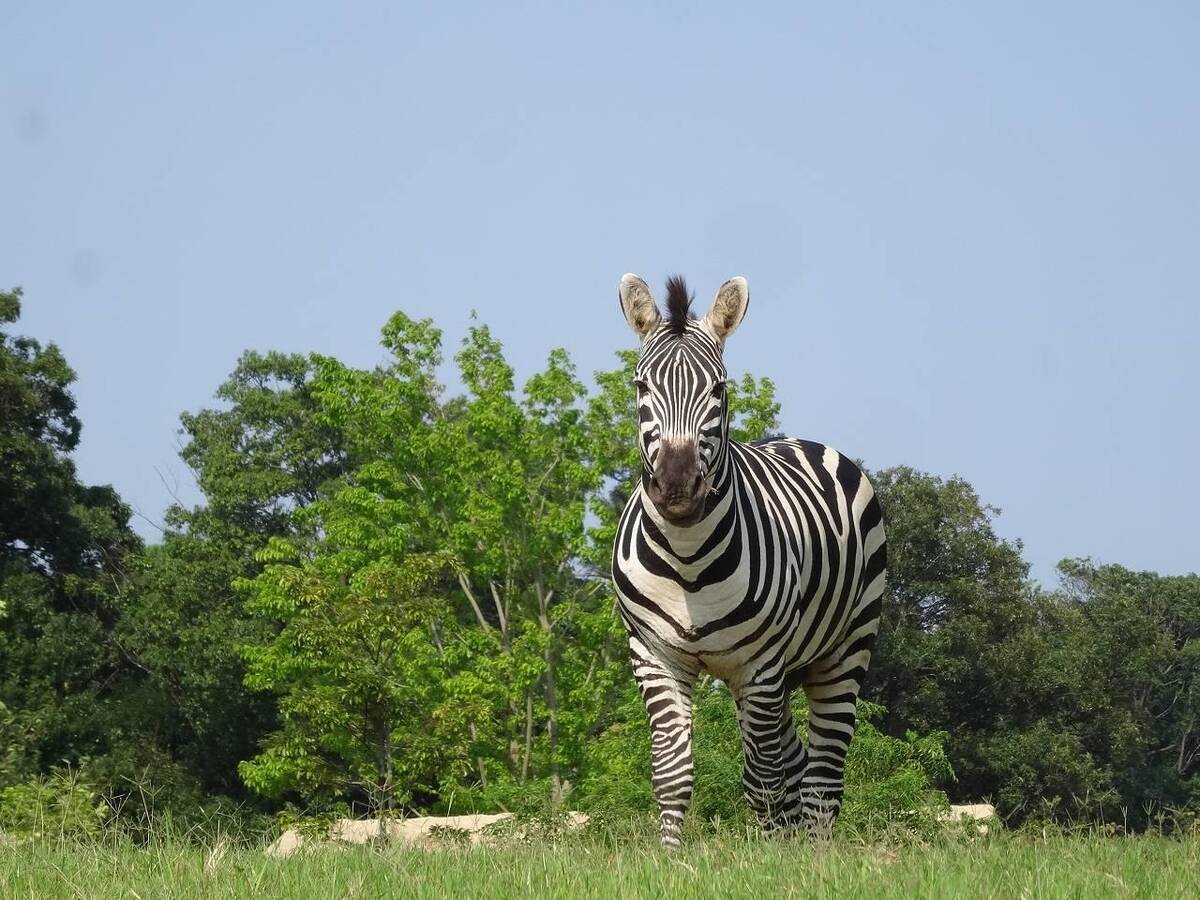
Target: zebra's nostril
655,483
696,483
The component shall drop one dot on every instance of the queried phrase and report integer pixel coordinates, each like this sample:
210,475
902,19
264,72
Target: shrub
61,804
888,780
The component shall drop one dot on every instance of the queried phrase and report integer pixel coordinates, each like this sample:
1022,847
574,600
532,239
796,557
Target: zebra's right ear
638,305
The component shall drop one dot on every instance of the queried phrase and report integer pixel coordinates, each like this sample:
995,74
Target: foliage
260,459
266,453
393,596
38,488
64,549
492,485
889,779
61,804
354,668
1077,705
1140,634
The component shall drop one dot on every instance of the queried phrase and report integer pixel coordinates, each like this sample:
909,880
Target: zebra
760,564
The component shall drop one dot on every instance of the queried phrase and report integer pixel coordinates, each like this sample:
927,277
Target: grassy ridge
723,866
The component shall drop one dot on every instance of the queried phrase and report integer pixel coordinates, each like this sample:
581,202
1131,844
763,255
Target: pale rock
976,812
418,831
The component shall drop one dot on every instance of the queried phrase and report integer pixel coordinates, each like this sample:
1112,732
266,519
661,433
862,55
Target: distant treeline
395,597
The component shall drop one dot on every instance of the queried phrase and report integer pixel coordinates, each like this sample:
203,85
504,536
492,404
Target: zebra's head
680,378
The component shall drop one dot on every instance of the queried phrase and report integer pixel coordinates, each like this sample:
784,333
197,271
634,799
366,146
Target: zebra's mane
679,305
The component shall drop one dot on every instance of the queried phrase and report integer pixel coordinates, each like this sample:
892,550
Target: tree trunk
465,584
528,735
556,785
478,759
441,649
501,606
388,786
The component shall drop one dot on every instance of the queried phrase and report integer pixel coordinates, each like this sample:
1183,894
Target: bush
503,794
59,805
888,780
891,780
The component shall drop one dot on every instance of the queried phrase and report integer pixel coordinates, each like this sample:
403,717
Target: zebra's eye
641,386
718,390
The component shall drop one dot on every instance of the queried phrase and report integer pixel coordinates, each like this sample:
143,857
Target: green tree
49,522
360,680
259,459
1141,635
265,453
517,472
498,481
64,547
1056,704
958,602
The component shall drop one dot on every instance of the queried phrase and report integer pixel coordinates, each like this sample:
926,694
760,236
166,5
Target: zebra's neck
720,512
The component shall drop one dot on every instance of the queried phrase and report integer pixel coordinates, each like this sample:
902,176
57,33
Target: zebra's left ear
729,307
638,305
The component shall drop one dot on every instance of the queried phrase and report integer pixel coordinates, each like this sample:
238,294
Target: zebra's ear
638,305
729,307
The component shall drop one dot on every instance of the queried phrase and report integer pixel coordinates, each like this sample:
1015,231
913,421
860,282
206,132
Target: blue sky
972,235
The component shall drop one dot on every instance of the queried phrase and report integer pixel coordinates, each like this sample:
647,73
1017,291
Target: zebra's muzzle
680,514
676,486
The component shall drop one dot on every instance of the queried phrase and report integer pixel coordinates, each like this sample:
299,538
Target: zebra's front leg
774,757
668,698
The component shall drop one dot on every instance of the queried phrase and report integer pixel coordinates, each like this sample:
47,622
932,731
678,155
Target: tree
361,683
1077,704
64,547
44,510
395,597
259,459
517,474
265,454
958,614
498,482
1141,635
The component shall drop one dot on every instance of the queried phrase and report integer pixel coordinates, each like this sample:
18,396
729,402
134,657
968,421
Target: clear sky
972,235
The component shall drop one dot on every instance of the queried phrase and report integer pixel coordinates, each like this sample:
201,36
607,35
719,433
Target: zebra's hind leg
774,756
832,697
793,759
668,698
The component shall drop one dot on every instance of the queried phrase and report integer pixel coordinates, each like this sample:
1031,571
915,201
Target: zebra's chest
689,598
718,628
702,601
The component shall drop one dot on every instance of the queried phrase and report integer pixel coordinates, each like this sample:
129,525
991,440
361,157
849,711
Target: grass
728,865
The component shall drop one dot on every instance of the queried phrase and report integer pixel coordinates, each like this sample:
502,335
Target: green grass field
1006,865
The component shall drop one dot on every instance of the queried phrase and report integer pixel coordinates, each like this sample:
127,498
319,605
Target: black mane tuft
679,304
